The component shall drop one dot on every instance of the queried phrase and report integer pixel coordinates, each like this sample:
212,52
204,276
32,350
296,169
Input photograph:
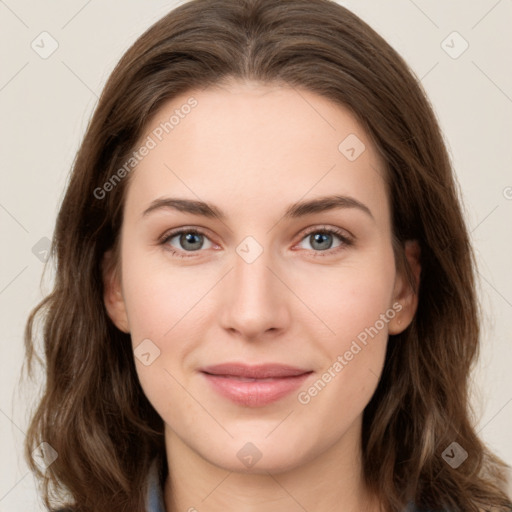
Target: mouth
254,386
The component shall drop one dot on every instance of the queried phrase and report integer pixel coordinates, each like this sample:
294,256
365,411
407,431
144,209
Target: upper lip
260,371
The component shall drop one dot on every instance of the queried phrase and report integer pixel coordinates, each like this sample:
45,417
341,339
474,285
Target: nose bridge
251,273
254,301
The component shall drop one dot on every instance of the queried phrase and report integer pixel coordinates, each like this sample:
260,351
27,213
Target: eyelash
345,241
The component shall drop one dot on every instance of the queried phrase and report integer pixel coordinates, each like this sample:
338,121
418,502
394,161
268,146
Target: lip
254,385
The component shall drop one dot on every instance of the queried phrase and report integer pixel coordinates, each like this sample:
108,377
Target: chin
257,455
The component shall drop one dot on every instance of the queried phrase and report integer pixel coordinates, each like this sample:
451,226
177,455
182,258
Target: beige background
45,105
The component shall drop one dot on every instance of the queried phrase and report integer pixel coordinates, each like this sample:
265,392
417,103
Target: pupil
189,240
321,238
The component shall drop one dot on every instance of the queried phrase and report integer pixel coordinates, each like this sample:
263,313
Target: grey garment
155,497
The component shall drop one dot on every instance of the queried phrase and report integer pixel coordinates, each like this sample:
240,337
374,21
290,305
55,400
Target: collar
154,493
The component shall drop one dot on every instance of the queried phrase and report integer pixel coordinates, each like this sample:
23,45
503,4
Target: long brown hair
93,412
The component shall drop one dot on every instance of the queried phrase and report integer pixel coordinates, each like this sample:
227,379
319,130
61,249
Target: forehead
247,146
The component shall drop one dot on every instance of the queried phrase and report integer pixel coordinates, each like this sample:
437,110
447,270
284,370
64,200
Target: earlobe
405,293
112,293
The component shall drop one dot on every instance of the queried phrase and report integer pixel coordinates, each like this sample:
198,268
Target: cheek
161,319
355,307
156,296
356,348
165,308
347,301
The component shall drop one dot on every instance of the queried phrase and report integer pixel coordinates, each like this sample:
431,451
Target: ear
112,292
404,293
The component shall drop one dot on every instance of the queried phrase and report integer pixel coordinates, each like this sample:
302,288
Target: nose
255,298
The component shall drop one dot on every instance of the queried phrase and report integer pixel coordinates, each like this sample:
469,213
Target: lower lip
255,393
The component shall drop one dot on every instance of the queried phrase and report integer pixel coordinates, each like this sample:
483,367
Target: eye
321,240
185,240
190,240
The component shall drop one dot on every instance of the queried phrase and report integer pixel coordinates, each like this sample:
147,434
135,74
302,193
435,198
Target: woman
202,351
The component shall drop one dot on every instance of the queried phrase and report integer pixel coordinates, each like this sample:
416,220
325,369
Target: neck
331,481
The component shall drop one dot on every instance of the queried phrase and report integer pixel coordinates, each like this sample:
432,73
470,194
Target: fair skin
252,150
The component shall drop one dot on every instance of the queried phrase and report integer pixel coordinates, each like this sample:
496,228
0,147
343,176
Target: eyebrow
296,210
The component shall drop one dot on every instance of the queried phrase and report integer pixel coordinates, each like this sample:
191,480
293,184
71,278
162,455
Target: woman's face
292,266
